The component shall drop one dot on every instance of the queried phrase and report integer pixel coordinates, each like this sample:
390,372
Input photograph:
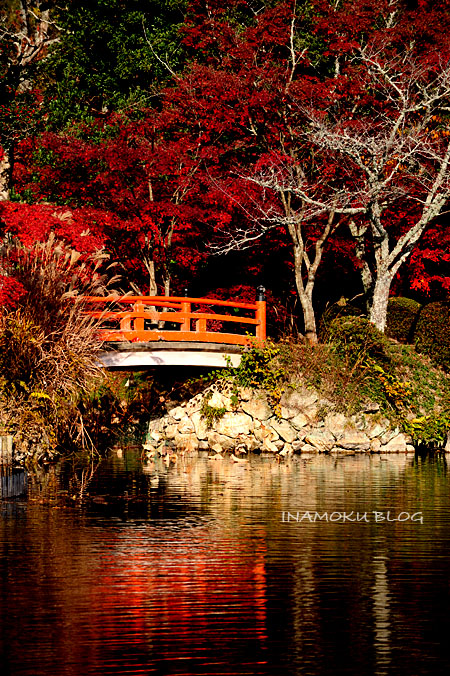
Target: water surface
215,567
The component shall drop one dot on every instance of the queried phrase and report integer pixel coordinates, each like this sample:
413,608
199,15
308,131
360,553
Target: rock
322,441
257,407
150,448
187,443
185,426
233,424
375,445
338,450
220,400
178,413
307,448
360,423
265,432
284,429
194,405
269,446
396,445
297,445
447,445
250,443
299,401
155,425
410,448
246,393
170,431
287,450
336,423
200,425
355,441
311,412
287,413
156,436
299,421
389,435
371,407
225,442
217,448
235,459
376,430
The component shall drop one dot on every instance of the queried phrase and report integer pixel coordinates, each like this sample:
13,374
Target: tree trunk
6,167
309,319
305,297
152,287
380,298
162,324
358,233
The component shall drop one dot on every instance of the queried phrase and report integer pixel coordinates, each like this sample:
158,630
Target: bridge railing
177,318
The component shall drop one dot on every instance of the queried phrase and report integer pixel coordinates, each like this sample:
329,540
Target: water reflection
381,612
188,568
13,482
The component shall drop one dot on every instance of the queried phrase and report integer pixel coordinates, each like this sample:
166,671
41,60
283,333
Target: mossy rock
356,339
432,334
334,312
402,316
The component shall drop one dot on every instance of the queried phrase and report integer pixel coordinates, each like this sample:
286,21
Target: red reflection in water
170,591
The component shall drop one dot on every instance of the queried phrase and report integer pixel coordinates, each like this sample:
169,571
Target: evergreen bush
402,318
432,334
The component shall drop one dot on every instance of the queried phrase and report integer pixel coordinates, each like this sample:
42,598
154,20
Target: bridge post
261,314
139,321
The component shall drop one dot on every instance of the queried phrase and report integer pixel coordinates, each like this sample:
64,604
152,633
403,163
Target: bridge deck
125,355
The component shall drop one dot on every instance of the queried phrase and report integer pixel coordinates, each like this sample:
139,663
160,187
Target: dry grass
48,347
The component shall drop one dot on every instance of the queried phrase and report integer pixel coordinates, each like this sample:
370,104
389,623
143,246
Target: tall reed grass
48,346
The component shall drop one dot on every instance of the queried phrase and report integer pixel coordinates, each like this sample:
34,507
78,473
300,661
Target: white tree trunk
5,175
378,310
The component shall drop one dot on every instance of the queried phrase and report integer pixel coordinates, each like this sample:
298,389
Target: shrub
356,339
258,369
429,431
432,335
334,312
366,353
402,318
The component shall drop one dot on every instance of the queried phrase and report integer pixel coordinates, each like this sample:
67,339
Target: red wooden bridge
173,330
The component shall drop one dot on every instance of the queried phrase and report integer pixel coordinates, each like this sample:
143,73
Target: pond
310,566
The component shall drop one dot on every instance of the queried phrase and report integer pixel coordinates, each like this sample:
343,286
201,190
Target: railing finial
261,293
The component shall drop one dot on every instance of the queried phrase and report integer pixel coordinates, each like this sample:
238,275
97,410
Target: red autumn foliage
160,188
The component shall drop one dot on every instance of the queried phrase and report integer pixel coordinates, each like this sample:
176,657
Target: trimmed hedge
432,334
402,316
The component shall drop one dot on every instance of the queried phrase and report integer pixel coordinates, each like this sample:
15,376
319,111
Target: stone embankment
243,421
